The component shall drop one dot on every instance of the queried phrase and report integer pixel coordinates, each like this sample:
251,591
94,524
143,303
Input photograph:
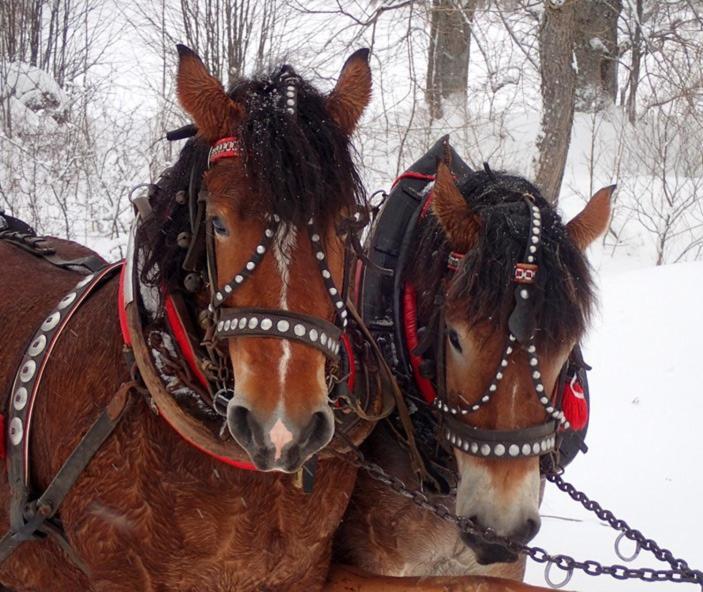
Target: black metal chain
680,571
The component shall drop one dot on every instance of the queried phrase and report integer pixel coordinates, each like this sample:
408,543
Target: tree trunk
448,56
556,44
596,52
635,68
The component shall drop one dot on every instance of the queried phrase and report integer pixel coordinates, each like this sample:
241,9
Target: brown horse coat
150,512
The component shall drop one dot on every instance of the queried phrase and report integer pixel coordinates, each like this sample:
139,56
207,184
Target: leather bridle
229,322
518,443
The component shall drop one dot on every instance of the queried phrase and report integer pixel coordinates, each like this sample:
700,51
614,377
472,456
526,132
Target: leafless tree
556,45
449,52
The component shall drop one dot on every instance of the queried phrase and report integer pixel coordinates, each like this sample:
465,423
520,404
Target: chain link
680,571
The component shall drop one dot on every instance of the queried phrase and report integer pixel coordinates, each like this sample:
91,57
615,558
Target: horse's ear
204,98
352,92
593,220
453,212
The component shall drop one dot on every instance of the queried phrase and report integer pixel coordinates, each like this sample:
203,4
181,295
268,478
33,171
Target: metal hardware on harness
680,571
31,518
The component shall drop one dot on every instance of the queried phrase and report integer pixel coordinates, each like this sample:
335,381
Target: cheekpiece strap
262,322
224,148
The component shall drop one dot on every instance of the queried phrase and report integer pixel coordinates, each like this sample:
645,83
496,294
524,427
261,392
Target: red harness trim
351,379
179,333
410,327
412,175
120,309
224,148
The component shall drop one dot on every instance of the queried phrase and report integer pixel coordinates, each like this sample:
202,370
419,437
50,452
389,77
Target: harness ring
635,553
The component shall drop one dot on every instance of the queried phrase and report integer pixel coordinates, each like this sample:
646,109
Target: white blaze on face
280,436
284,243
499,503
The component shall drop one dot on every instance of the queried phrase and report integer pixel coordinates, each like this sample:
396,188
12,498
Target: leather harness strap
37,515
32,517
36,245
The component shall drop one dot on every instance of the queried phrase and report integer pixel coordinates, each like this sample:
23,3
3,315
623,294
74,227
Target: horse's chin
487,553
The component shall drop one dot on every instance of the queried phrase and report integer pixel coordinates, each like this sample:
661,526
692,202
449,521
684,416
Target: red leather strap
179,333
223,148
410,328
351,380
120,309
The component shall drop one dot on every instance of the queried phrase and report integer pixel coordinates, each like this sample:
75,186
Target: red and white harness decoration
225,148
525,273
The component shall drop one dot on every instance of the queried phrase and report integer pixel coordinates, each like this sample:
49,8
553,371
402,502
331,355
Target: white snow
644,438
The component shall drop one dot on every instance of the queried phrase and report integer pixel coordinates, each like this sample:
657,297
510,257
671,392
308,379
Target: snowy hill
644,459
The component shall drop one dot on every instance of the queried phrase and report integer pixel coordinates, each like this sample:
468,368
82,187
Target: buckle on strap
262,322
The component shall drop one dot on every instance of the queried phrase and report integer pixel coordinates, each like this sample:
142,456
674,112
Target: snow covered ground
644,458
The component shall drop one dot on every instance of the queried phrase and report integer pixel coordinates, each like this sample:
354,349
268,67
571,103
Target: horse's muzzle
279,443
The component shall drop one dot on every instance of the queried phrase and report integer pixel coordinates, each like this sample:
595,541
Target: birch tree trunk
556,46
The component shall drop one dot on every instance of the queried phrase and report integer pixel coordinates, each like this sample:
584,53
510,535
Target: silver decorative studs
16,431
67,300
85,281
299,330
313,335
266,324
51,321
37,346
283,326
28,370
514,450
19,400
251,265
499,450
253,323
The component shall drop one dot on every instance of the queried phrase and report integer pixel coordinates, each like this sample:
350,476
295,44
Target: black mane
483,282
297,165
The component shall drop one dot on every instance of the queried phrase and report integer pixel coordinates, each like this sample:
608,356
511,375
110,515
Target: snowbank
644,458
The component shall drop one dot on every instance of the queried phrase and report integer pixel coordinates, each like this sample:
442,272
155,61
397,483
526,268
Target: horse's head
277,188
506,341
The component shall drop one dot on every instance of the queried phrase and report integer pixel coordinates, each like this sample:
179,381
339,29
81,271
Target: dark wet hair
297,165
483,284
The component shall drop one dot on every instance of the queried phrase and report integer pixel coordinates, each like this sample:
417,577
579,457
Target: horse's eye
219,227
454,340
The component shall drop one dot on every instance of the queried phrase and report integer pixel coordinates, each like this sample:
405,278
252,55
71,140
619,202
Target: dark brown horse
466,252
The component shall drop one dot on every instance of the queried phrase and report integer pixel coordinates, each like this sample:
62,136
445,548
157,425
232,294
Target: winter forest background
575,94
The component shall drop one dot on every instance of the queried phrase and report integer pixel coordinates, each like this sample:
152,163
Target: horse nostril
528,530
240,424
318,431
532,528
